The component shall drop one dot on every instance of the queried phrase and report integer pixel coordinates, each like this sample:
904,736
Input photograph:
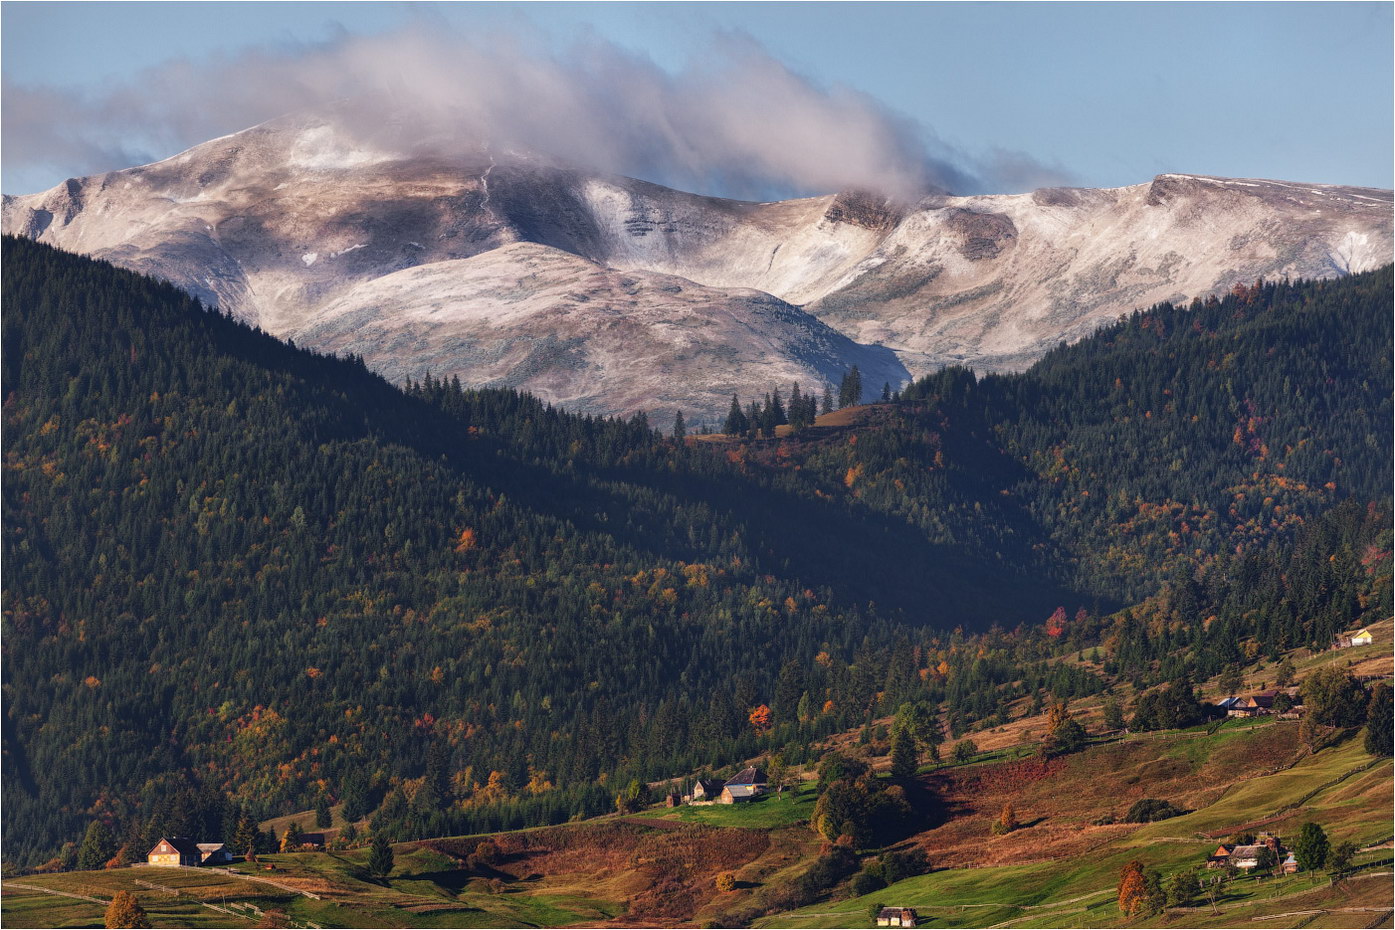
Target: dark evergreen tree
736,422
98,846
380,858
1379,727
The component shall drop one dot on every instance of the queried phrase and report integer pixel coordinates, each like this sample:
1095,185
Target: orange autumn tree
1007,820
760,718
1133,890
125,911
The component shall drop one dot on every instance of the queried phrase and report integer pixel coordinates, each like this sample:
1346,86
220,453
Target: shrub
897,866
828,870
1147,810
865,882
726,882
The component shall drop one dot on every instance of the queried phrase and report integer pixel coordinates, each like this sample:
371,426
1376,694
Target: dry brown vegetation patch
683,864
667,873
1060,801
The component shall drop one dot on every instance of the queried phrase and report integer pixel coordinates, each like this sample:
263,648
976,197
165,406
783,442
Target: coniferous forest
242,579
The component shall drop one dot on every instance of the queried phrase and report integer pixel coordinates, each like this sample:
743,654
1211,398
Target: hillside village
1237,798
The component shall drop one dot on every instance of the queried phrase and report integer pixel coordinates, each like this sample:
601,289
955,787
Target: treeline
759,419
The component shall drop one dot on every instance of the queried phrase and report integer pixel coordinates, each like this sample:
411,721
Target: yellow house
175,851
1362,638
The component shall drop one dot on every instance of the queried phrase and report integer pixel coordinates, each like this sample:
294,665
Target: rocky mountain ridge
314,235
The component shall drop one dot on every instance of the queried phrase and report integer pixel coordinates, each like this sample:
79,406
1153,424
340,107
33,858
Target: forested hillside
243,577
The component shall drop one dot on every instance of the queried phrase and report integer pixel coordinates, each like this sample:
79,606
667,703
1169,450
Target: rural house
214,854
705,789
175,851
746,785
1361,637
1220,857
733,794
749,776
1245,857
1254,705
897,917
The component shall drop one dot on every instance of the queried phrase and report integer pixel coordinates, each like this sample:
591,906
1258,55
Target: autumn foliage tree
125,911
1064,733
291,838
1007,820
1133,888
760,718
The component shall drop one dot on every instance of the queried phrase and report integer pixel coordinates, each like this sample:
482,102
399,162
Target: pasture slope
658,868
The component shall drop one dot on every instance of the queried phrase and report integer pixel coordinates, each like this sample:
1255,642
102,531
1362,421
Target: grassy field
766,813
24,907
1341,788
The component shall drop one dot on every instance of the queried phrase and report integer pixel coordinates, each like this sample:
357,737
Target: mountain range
612,295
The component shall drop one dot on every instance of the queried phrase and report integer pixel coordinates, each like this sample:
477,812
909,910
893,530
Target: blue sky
1094,94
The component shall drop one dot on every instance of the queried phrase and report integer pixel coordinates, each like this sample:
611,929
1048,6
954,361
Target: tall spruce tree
380,858
736,423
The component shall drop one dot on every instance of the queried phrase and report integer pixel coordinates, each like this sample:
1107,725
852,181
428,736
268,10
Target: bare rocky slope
634,296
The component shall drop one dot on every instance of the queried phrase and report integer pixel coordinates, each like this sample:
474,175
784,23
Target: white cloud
736,122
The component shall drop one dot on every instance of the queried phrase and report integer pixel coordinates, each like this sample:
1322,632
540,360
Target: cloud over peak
736,122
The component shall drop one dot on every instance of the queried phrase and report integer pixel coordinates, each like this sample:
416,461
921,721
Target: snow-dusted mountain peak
296,222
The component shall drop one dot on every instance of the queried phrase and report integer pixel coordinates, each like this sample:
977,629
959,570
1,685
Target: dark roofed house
174,851
706,789
897,917
1253,705
312,841
751,776
214,854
